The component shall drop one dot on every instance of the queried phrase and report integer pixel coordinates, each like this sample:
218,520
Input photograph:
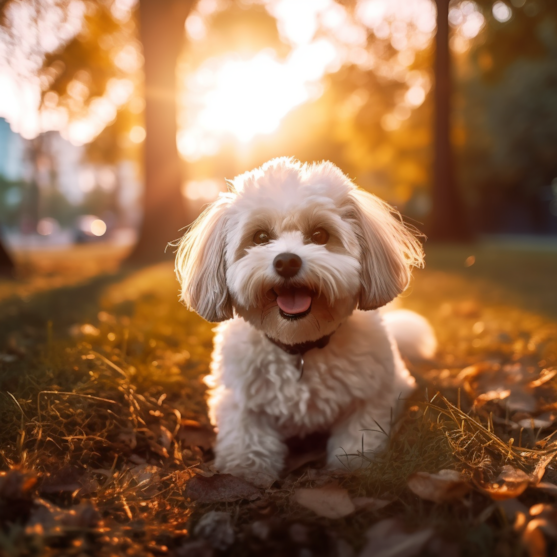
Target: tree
162,31
7,266
447,221
83,60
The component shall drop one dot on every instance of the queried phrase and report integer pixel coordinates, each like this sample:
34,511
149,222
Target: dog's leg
247,445
358,437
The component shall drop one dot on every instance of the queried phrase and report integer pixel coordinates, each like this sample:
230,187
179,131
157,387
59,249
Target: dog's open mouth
294,303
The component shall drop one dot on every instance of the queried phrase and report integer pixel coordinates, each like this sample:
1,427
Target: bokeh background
121,119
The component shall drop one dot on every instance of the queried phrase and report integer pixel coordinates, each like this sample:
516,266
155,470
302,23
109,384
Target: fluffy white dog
295,260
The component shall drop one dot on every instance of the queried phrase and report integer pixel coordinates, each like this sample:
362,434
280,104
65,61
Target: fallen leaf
534,423
539,471
545,376
204,469
533,539
388,538
220,488
329,501
370,503
498,394
510,483
548,488
446,485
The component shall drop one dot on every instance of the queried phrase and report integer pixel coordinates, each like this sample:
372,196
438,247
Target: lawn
106,446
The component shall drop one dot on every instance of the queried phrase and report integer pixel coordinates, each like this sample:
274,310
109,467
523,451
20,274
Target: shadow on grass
62,307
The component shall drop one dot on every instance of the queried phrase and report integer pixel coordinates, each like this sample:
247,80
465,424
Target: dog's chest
303,401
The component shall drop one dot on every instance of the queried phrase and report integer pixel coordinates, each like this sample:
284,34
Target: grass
104,419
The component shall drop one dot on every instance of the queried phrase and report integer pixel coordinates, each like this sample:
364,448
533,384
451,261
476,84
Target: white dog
295,259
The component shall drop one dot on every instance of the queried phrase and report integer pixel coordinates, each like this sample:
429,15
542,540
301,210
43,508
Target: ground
105,443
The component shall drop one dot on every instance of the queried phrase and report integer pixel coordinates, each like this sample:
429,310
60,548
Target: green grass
100,376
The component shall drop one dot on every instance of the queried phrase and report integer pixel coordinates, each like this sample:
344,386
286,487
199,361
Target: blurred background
120,119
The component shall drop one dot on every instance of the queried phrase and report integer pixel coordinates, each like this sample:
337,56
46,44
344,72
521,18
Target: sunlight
244,98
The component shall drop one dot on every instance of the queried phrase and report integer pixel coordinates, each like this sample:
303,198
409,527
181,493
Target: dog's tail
414,335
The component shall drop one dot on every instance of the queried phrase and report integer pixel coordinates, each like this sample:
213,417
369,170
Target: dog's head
294,249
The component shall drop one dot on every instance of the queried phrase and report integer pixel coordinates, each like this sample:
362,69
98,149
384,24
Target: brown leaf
498,394
510,483
388,538
220,488
370,503
545,376
534,423
446,485
329,501
539,471
533,539
548,487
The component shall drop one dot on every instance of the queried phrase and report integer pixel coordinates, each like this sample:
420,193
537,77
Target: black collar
302,347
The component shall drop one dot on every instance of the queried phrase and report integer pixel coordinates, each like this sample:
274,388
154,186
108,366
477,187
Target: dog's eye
261,237
320,236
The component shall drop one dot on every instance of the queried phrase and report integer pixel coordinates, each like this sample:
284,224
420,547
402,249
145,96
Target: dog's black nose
287,265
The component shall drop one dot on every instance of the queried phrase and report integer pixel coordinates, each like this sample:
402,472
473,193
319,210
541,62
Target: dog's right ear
201,267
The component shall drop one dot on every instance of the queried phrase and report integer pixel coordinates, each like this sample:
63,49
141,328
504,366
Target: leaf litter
110,449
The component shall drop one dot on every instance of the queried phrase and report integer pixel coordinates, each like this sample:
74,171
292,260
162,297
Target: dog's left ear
200,264
389,250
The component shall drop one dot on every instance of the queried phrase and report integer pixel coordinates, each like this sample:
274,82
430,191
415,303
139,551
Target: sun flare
230,97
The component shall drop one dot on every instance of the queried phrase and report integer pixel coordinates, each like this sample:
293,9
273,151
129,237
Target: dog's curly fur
257,397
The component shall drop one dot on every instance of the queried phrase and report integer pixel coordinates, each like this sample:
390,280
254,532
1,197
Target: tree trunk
162,34
7,267
447,222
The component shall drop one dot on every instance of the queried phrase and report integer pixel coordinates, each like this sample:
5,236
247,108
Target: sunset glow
242,98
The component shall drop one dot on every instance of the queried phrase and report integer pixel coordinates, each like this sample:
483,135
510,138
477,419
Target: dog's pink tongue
294,301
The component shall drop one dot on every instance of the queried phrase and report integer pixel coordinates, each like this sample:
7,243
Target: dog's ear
201,267
389,250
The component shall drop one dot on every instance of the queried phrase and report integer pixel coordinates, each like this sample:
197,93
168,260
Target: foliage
506,119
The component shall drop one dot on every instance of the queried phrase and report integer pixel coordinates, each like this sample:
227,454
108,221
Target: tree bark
7,267
447,222
162,34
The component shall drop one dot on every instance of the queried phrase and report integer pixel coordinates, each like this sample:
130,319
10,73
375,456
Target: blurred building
48,184
12,153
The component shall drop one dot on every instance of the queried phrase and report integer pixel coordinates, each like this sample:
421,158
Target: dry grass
104,421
